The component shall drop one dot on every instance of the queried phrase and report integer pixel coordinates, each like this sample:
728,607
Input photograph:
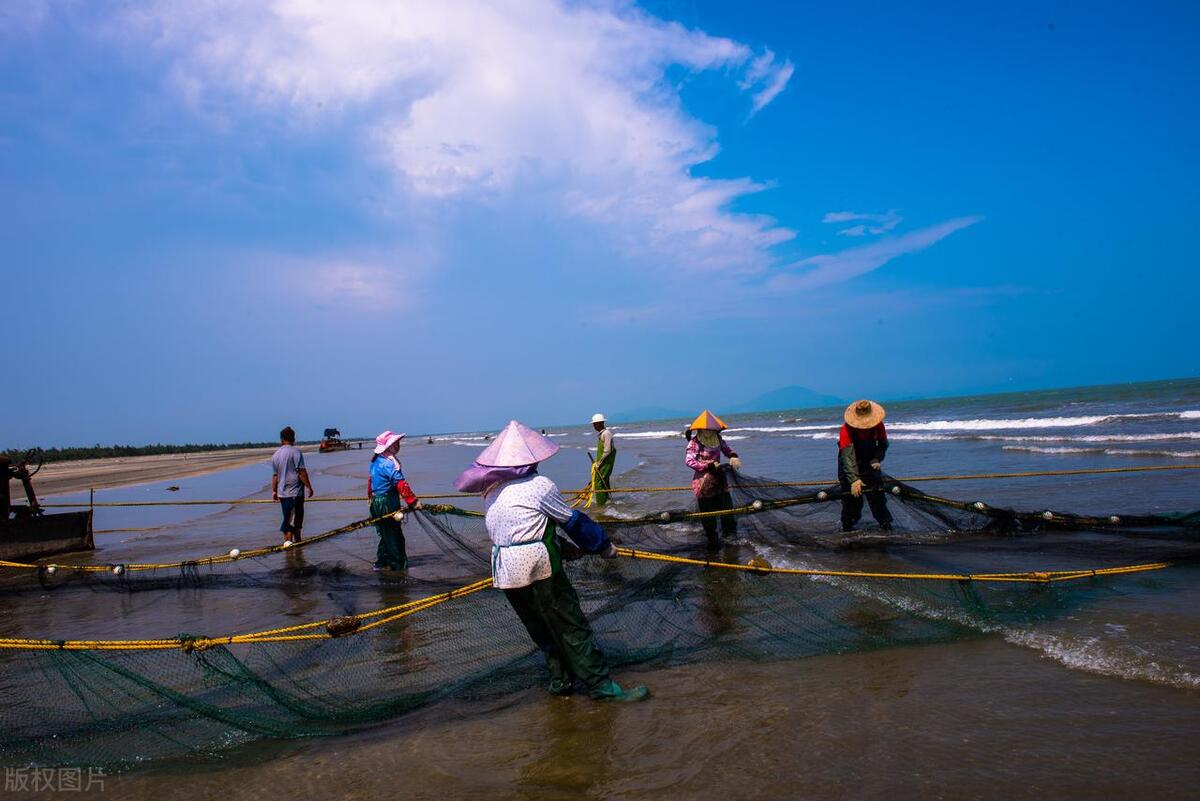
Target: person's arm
728,451
579,528
405,490
691,456
369,485
302,472
881,445
274,486
846,456
553,505
609,453
304,480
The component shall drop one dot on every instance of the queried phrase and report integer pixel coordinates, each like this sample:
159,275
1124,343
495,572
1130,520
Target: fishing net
949,570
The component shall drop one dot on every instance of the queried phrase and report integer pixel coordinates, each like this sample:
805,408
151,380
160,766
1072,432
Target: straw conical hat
864,414
707,421
516,446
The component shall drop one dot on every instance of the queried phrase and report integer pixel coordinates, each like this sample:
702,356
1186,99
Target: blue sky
221,217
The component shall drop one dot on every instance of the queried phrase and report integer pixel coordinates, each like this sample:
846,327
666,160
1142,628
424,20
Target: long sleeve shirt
858,447
604,446
701,458
516,518
387,476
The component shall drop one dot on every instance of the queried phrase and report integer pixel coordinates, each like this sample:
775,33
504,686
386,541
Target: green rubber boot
611,691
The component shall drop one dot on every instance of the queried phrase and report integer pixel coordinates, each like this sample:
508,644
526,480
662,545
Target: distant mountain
793,397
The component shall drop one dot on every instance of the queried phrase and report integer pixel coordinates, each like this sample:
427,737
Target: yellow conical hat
707,421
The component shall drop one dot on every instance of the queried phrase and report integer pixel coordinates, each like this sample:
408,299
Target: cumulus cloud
873,224
832,268
466,98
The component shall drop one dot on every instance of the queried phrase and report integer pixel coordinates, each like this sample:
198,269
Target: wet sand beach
931,722
58,478
1096,698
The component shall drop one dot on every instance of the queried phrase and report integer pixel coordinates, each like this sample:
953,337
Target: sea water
1102,702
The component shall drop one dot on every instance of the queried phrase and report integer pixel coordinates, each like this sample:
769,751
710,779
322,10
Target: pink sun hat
516,446
386,440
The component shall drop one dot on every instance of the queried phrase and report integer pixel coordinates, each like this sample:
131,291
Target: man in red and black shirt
862,445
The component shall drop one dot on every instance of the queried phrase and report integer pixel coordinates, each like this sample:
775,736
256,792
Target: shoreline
64,478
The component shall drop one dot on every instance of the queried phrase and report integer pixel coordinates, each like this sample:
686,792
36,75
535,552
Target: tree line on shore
99,451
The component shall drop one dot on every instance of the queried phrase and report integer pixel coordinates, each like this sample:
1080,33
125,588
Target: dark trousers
293,513
390,553
716,503
550,611
875,496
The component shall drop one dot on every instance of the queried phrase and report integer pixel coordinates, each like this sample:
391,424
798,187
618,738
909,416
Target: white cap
598,418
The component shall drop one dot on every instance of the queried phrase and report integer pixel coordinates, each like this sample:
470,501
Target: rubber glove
856,488
735,462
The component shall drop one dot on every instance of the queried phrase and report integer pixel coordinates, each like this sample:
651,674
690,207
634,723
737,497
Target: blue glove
586,533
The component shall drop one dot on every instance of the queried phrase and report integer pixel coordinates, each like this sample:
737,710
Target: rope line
688,488
357,624
208,560
1031,577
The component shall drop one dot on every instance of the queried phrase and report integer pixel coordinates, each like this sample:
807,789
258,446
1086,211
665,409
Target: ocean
1100,702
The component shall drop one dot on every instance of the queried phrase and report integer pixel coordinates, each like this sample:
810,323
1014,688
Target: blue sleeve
586,533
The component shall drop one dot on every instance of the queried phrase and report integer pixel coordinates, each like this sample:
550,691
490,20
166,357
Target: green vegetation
99,451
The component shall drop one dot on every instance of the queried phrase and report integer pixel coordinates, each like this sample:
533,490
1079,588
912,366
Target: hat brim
856,420
392,440
707,421
517,445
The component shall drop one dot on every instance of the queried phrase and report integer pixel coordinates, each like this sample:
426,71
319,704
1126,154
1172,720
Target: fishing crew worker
710,484
386,486
606,460
862,444
525,512
289,481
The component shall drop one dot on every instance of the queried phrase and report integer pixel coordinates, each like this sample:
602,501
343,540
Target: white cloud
766,79
354,283
471,99
879,223
831,268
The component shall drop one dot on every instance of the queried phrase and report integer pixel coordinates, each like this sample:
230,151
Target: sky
221,217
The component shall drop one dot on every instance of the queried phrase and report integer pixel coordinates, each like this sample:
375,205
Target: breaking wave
648,434
1102,451
1088,652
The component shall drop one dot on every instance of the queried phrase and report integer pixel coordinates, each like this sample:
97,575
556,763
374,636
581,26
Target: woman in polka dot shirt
523,512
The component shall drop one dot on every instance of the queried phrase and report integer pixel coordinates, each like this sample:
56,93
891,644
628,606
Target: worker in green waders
530,524
606,460
385,489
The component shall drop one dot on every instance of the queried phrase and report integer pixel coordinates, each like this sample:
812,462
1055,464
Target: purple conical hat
517,445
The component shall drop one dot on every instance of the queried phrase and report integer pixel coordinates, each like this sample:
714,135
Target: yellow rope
381,617
1034,577
207,560
687,488
385,615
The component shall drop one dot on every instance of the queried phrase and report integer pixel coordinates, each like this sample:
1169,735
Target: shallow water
1099,701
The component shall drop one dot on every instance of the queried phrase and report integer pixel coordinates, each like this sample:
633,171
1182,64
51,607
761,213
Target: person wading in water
862,444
